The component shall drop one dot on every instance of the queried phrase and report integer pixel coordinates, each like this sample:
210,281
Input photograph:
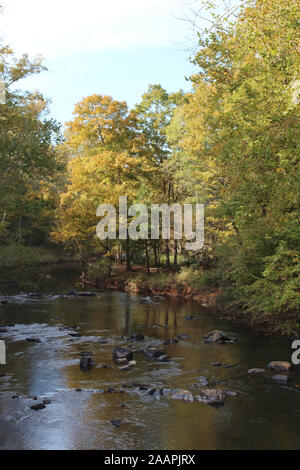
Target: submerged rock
86,294
33,340
280,365
212,397
281,379
72,292
86,353
183,336
122,353
184,395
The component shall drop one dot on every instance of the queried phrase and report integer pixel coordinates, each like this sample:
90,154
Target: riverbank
202,288
27,268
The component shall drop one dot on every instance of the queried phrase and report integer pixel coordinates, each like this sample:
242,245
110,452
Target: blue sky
116,48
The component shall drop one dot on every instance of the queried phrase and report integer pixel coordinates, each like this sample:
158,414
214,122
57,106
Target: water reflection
263,415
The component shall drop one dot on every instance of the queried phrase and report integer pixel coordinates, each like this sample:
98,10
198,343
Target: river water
263,414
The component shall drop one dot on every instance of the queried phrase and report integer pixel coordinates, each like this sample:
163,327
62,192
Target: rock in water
280,365
184,395
212,397
216,336
183,336
170,341
137,337
39,406
86,294
73,292
281,379
116,422
163,358
33,340
122,353
154,353
203,381
256,371
86,363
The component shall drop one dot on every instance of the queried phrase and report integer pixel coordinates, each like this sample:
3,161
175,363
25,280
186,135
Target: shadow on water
263,415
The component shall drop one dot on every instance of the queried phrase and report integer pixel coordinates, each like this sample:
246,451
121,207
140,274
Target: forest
232,144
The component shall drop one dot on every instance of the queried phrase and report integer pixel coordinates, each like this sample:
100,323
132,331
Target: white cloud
64,27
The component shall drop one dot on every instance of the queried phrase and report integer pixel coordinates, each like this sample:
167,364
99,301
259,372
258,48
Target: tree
242,131
108,159
28,161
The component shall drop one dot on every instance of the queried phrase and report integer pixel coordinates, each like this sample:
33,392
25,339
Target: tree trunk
167,253
147,257
175,253
128,264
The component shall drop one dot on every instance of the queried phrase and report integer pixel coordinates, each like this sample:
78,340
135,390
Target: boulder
122,353
280,365
216,336
212,397
184,395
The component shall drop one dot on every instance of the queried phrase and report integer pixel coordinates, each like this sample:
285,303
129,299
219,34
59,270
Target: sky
112,47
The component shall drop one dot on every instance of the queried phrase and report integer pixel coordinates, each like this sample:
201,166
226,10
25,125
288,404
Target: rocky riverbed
116,371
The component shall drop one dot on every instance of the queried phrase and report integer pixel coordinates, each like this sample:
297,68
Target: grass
17,256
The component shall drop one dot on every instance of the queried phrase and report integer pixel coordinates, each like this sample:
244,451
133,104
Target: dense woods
231,144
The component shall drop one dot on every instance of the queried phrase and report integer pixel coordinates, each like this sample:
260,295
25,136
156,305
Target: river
261,415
